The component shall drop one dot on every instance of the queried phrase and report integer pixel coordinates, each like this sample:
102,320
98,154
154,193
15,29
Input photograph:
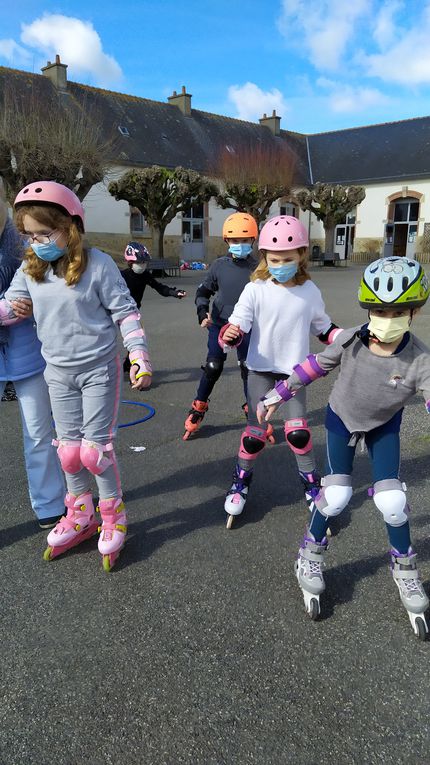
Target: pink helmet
50,192
284,232
136,252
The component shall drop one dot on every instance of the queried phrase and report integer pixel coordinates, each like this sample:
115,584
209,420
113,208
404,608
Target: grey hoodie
76,325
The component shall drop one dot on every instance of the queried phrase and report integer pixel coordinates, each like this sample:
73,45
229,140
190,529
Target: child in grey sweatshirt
79,298
382,365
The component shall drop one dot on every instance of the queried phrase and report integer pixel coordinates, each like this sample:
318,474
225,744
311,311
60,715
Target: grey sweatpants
259,383
85,405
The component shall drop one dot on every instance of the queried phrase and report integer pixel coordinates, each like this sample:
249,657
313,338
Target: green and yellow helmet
393,282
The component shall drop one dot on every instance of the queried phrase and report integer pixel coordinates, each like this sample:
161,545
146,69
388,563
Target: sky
322,64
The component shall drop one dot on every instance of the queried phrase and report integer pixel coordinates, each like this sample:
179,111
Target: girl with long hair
282,306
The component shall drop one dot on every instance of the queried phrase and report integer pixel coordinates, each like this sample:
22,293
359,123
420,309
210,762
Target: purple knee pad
69,454
96,457
252,442
298,436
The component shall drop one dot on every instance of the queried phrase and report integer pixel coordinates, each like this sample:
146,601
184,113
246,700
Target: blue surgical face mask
48,252
283,273
240,250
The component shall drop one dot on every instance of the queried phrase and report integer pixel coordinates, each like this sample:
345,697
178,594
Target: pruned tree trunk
158,242
329,238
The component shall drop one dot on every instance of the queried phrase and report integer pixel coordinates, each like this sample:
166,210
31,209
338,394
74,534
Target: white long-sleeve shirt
281,319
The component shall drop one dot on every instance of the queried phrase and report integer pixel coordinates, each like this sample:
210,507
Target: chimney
273,122
182,101
57,73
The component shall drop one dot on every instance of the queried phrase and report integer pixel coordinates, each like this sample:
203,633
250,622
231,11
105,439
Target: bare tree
160,194
56,139
254,177
330,204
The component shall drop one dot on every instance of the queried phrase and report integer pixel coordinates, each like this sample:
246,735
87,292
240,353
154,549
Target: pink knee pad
252,442
298,436
69,455
96,457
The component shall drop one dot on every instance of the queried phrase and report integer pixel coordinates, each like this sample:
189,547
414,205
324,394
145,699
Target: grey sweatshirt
370,389
76,325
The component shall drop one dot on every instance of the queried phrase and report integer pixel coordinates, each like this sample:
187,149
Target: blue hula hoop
151,412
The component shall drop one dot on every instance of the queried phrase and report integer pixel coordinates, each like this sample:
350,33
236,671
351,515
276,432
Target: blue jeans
45,478
206,385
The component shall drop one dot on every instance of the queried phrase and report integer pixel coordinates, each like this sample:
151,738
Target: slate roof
160,134
385,152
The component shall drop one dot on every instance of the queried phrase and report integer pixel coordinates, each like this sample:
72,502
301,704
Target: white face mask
138,268
389,330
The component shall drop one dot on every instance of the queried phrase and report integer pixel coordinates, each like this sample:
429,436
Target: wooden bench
168,266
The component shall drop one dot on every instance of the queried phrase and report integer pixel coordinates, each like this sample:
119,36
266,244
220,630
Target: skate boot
236,497
412,595
75,527
194,419
112,531
309,567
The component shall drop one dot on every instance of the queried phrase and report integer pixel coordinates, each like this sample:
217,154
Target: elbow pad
330,336
309,370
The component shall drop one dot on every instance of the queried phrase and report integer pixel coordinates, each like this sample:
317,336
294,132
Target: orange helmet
239,226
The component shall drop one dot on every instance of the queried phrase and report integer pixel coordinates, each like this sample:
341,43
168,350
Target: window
138,224
288,209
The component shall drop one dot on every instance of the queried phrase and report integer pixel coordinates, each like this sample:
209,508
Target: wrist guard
141,360
228,344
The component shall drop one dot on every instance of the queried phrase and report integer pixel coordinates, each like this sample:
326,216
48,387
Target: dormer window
124,131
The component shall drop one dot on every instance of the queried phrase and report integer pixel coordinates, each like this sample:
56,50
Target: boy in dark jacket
225,280
137,278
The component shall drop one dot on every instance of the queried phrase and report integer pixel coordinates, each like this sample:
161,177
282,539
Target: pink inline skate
112,531
75,527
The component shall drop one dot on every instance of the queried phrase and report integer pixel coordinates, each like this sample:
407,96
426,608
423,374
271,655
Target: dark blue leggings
206,385
384,453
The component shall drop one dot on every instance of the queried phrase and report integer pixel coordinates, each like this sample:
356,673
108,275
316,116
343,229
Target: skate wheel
47,555
108,561
328,533
230,520
271,439
313,609
420,629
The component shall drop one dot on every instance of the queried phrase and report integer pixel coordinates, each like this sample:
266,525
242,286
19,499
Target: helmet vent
275,239
376,284
290,238
405,283
38,190
390,284
277,223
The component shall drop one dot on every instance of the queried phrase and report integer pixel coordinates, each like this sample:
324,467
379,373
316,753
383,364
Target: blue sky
323,64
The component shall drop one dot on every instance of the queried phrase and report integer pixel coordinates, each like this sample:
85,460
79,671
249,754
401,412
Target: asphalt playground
196,649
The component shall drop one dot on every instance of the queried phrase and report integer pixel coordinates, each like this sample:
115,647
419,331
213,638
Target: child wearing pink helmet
79,299
282,306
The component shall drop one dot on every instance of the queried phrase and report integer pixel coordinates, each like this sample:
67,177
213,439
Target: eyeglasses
42,238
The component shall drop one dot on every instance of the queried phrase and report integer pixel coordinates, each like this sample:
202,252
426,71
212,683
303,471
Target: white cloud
78,44
406,62
322,29
13,53
251,102
385,30
344,98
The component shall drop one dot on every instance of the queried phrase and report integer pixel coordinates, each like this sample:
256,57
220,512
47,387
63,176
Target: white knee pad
390,499
335,494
